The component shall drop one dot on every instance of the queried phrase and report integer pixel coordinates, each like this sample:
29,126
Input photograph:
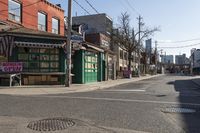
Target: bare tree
128,39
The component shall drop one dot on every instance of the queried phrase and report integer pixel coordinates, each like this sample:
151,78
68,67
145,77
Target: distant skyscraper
180,59
167,59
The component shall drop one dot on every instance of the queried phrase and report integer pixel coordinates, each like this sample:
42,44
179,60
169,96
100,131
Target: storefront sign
9,67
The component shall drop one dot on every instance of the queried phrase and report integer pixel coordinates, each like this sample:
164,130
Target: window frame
46,18
121,54
58,25
20,14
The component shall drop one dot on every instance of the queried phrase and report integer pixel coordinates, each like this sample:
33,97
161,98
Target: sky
179,20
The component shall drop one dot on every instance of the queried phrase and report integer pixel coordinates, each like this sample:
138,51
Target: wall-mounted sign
104,43
10,67
77,39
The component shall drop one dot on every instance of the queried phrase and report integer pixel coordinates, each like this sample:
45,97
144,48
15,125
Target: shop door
91,67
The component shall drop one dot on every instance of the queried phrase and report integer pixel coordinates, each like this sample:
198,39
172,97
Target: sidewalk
60,89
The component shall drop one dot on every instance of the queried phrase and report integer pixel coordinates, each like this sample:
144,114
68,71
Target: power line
184,46
23,6
92,6
131,6
180,41
81,7
124,5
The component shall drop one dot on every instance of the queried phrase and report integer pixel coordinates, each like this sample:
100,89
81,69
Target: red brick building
26,13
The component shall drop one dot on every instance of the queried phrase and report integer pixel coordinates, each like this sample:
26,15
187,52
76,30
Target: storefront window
44,57
34,50
39,60
54,65
44,51
44,65
54,58
34,57
23,57
91,67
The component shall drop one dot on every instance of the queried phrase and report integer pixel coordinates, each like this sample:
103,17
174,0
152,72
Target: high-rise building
180,59
167,59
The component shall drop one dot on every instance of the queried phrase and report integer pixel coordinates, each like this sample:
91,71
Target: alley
142,106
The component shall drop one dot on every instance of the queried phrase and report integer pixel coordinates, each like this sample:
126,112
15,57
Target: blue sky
179,19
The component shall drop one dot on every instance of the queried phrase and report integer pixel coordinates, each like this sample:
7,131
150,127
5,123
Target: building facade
98,23
97,29
32,35
180,59
195,61
167,59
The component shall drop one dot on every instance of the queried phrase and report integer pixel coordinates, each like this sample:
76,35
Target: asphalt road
142,106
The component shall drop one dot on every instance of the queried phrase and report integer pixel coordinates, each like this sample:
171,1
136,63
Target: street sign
77,39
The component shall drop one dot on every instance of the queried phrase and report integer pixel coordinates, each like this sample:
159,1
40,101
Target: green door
91,67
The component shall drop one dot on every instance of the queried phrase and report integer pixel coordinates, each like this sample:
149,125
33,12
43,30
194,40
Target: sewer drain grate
51,124
178,110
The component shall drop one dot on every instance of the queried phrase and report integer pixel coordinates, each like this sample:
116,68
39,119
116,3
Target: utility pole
68,60
139,41
133,52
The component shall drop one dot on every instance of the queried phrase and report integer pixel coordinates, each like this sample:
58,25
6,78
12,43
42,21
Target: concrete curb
45,90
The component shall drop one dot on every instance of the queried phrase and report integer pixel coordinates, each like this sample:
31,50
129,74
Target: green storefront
41,54
88,65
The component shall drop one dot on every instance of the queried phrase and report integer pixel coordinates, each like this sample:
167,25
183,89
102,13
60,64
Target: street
142,106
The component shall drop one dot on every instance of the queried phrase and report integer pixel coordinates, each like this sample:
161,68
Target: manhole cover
51,124
178,110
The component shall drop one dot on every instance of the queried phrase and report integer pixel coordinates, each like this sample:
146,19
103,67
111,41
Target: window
55,26
39,60
125,55
42,21
14,10
121,54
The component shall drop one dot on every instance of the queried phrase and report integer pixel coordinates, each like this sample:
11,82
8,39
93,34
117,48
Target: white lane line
123,100
125,90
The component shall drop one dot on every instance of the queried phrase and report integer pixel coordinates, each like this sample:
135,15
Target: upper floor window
55,25
42,21
14,10
121,54
125,56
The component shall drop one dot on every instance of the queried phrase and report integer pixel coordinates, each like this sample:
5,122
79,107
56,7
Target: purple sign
9,67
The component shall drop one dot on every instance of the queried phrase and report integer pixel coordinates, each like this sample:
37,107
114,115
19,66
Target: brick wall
30,10
3,9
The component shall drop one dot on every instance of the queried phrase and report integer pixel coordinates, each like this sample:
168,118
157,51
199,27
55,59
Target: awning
95,48
77,46
38,45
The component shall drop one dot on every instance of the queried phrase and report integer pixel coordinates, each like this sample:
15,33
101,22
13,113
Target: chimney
59,5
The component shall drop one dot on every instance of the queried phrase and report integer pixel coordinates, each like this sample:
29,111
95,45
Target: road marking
125,90
123,100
